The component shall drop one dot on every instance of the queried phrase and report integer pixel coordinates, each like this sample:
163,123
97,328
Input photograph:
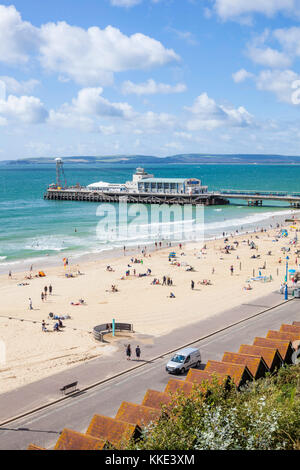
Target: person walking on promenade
138,352
128,352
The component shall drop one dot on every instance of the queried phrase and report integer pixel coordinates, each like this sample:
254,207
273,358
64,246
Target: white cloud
85,110
92,56
269,57
186,36
26,109
19,88
107,130
209,115
241,75
184,135
66,118
90,102
151,87
279,82
18,38
289,39
241,9
154,122
88,56
173,146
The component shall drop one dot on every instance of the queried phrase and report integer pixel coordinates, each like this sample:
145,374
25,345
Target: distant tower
60,174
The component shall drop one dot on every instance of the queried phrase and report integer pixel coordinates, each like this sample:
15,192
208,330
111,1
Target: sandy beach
32,354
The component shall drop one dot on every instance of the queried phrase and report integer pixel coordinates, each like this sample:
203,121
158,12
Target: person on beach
44,326
192,285
30,304
50,289
128,352
231,270
9,275
138,352
42,296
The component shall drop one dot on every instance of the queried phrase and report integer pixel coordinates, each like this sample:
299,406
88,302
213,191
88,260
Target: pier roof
163,180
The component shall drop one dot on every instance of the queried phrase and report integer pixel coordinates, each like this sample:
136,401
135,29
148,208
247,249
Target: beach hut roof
112,430
156,399
256,365
283,346
179,385
239,373
137,414
73,440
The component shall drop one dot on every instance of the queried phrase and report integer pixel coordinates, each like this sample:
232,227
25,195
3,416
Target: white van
183,360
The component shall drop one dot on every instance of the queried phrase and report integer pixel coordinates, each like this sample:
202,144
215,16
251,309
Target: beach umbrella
292,270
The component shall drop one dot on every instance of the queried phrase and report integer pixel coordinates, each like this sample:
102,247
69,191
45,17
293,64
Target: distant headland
190,158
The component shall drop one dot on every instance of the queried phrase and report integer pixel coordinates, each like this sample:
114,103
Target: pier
145,189
83,194
256,198
222,197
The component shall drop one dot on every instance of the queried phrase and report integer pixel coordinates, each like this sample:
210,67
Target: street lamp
286,279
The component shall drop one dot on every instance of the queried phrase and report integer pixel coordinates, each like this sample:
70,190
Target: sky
149,77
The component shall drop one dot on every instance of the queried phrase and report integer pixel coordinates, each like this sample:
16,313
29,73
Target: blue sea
33,230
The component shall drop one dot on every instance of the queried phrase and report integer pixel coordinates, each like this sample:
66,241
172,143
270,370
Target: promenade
75,411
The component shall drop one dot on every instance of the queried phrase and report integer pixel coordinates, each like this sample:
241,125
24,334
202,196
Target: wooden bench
66,387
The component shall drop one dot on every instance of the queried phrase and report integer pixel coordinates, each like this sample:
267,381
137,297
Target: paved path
44,427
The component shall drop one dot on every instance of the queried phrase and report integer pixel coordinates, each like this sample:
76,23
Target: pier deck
256,198
221,197
71,194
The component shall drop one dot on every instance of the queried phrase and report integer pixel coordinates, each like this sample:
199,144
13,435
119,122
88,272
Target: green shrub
264,415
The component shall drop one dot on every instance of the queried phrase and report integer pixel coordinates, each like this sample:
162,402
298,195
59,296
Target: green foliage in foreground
264,415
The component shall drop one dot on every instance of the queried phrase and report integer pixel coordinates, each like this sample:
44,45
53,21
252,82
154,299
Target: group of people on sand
45,292
166,281
56,327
